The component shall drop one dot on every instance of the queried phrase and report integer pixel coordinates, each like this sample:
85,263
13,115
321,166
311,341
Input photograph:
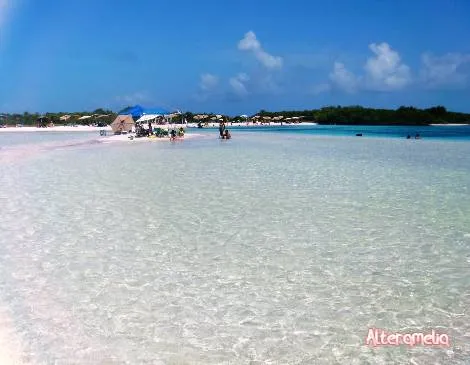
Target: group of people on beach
151,132
224,133
176,134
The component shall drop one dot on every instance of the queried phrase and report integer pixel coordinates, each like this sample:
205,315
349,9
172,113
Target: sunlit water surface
265,249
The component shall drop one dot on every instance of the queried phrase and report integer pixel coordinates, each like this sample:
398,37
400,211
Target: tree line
347,115
99,117
358,115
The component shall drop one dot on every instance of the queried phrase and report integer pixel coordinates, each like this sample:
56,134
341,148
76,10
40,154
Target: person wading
221,129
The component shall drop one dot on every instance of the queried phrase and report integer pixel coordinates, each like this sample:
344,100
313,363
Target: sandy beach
249,124
449,125
85,128
127,138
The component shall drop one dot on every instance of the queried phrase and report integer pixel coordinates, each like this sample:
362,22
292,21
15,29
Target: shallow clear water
269,248
10,139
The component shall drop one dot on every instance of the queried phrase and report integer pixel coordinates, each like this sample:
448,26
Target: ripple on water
209,253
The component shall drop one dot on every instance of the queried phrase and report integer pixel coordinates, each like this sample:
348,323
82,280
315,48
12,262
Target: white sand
80,128
250,124
84,128
125,138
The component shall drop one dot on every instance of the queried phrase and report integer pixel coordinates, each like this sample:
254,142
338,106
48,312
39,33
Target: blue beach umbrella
136,111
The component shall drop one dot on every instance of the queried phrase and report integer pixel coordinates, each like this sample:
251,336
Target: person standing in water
221,129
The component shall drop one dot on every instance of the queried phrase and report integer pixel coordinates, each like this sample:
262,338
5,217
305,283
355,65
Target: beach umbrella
122,123
135,111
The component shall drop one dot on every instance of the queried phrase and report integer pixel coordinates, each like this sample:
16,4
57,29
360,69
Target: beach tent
147,117
137,111
122,123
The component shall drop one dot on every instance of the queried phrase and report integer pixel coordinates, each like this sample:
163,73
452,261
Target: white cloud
385,71
238,84
208,81
251,44
444,70
343,78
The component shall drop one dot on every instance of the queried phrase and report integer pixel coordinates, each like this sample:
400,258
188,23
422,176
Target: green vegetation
98,117
355,115
352,115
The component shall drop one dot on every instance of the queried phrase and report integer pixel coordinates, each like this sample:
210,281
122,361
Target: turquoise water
268,248
441,132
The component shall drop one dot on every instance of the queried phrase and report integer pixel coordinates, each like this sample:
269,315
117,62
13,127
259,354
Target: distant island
347,115
357,115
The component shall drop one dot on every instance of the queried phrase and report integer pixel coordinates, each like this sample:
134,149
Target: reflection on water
265,248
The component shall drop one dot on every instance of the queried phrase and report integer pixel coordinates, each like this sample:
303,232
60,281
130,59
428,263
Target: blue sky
233,57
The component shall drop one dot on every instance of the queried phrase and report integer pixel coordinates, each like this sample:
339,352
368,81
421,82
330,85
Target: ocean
454,132
277,247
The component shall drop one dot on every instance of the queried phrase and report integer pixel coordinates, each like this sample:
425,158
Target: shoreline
84,128
449,125
125,138
250,124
